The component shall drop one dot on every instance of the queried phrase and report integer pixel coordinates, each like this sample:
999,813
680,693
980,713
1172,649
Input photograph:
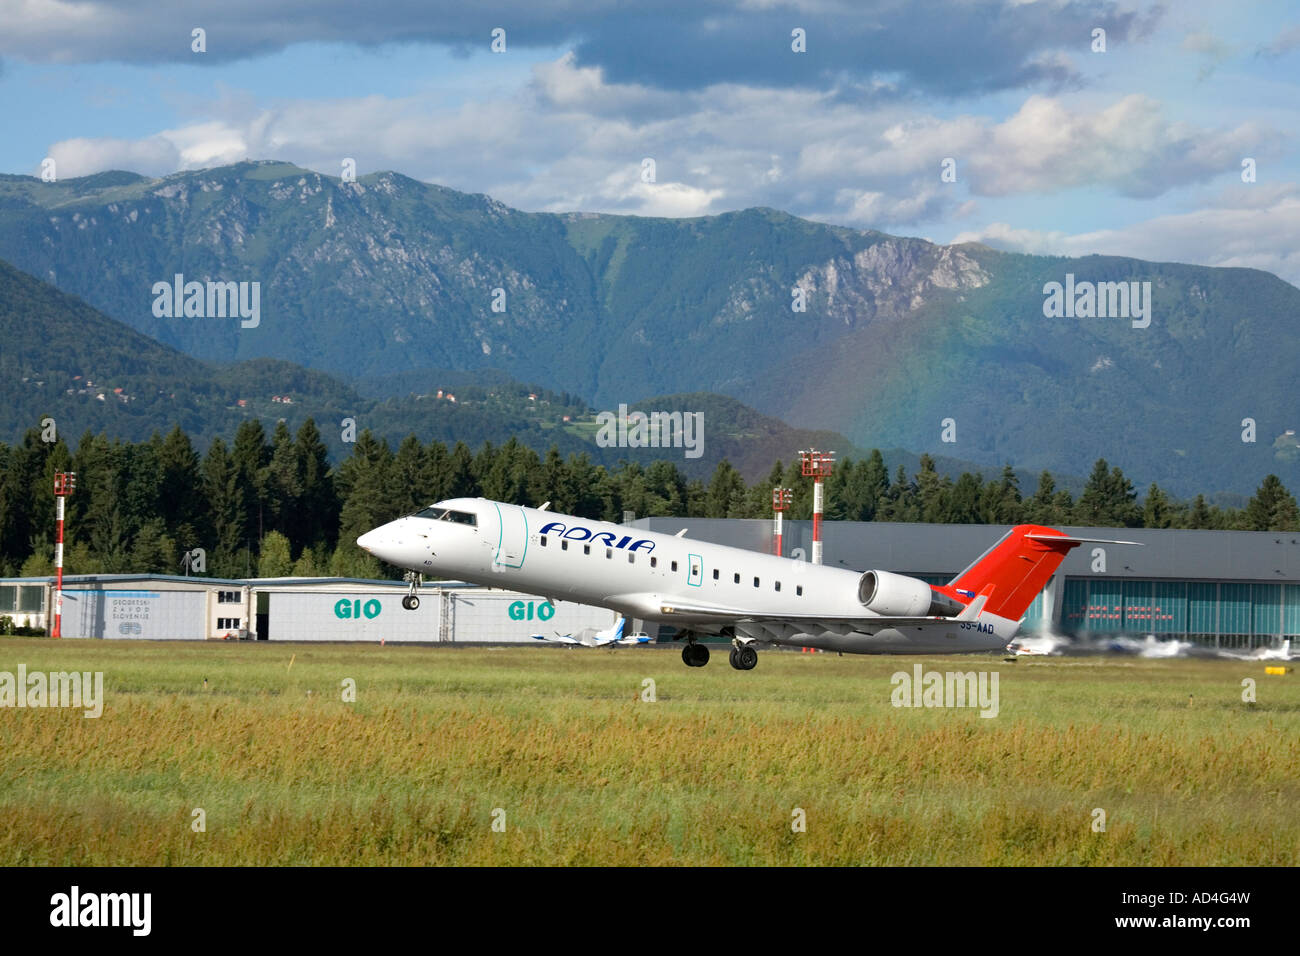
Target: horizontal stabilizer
972,610
1072,539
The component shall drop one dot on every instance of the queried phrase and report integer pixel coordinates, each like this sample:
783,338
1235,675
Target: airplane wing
866,623
557,639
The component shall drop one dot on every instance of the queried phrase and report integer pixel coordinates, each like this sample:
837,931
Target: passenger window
543,541
609,553
674,565
798,590
564,545
737,578
631,558
778,585
755,582
586,549
654,562
715,574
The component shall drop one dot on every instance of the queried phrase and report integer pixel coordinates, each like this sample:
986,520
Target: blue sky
1058,148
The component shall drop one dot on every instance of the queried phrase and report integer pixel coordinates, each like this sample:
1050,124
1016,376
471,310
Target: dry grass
587,773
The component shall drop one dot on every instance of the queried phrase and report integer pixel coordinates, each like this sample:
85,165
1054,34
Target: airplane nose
370,540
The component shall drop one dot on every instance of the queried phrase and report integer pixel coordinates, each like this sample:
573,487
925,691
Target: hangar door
157,615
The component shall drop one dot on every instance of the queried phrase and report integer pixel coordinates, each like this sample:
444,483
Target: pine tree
874,485
1200,515
933,493
274,560
226,513
584,479
836,501
305,566
409,481
551,483
1272,508
364,478
182,504
726,491
31,497
316,521
1038,508
251,457
1004,503
902,500
154,551
1093,507
461,482
965,499
666,489
282,483
1157,511
1108,499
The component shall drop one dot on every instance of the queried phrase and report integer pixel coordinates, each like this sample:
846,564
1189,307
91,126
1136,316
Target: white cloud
1128,146
155,156
568,139
1258,232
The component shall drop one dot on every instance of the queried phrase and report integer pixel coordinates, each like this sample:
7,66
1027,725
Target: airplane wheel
701,655
410,602
746,658
695,655
732,659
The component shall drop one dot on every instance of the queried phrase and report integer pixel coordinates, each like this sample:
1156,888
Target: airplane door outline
512,540
694,570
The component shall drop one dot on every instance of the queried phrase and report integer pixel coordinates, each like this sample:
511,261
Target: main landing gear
411,602
743,657
695,655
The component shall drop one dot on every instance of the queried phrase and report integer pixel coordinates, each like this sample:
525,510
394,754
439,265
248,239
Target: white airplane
706,589
591,637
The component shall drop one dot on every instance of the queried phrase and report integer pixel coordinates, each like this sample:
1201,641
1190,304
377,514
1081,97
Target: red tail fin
1018,567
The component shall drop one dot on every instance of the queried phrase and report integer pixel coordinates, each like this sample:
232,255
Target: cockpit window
447,514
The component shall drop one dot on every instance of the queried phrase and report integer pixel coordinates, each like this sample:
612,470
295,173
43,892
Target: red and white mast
780,502
817,465
65,482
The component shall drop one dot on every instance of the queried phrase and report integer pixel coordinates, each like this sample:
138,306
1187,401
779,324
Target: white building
168,607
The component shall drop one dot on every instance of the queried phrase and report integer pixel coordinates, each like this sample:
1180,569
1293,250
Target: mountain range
871,339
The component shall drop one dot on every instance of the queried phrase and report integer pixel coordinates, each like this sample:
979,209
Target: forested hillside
271,504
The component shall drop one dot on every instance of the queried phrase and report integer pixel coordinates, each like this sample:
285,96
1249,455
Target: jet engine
896,595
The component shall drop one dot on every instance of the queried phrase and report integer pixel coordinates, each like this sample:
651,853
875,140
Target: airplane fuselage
695,586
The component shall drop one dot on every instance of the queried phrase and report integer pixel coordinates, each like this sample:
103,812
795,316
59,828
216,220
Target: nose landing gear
411,601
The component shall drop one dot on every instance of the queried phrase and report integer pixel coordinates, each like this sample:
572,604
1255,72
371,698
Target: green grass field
586,772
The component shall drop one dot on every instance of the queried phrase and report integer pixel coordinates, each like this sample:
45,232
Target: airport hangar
1232,589
171,607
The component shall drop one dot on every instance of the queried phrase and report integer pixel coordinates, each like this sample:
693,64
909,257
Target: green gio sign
355,609
525,610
